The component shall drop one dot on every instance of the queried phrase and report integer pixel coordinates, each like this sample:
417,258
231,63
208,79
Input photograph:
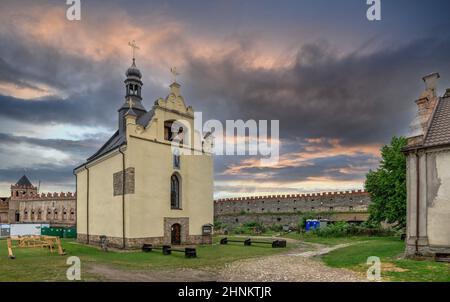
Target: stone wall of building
287,209
57,209
4,210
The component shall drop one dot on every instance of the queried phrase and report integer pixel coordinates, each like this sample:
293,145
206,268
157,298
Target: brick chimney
425,106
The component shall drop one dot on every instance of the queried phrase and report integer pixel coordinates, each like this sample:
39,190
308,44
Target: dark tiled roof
144,119
439,130
24,182
119,139
115,141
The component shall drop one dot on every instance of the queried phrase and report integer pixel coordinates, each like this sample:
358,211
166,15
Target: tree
387,186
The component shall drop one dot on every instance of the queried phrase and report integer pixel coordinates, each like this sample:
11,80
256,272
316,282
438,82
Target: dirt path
297,265
113,274
300,264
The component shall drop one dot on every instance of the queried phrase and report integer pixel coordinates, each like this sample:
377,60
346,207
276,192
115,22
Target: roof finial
134,47
130,111
173,71
130,103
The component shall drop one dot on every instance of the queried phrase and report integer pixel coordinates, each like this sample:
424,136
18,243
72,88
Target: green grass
39,265
313,238
393,267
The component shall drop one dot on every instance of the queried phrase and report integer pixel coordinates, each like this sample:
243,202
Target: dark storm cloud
83,147
360,98
53,175
357,98
86,92
48,173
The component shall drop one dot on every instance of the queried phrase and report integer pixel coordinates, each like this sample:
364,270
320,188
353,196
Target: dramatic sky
340,86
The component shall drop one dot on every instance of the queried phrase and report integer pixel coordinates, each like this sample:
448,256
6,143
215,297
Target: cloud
355,98
335,107
48,160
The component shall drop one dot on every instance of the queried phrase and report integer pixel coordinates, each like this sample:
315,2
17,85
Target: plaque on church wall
129,182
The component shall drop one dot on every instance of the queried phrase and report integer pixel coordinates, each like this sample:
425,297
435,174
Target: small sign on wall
207,229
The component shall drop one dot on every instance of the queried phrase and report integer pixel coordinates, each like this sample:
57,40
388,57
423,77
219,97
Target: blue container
308,225
316,224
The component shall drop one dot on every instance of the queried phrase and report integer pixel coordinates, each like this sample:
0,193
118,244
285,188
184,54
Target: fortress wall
287,209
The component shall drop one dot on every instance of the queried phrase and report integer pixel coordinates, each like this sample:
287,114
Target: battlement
16,187
49,196
290,196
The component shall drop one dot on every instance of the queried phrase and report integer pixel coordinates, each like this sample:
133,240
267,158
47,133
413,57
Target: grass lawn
312,238
393,268
39,265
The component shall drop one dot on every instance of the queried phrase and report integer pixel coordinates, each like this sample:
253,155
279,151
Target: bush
276,228
240,230
218,225
341,229
249,228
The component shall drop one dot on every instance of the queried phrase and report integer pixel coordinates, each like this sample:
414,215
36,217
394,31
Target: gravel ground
301,264
296,266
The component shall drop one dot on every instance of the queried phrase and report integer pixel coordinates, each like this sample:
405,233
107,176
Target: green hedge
342,229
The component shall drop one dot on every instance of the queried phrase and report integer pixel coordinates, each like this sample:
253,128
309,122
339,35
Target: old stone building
26,205
351,206
4,209
136,189
428,174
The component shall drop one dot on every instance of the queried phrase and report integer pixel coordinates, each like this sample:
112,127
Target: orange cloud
317,148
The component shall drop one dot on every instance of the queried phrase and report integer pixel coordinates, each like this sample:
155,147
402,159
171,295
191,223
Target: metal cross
134,47
174,72
130,103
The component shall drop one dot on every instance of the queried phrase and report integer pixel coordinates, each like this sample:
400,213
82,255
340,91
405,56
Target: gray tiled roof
115,141
144,119
118,139
439,129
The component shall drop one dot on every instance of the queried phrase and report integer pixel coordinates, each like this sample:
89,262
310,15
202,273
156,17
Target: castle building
136,188
428,174
350,206
26,205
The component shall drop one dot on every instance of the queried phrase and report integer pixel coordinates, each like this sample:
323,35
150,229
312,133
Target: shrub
276,227
240,230
218,225
341,229
249,228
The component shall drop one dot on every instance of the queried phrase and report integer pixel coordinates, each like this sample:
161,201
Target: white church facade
428,175
135,189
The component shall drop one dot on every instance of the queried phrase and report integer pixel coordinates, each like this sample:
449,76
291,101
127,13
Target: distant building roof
439,130
24,182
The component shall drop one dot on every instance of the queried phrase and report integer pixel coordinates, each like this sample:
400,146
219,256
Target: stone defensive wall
351,206
48,196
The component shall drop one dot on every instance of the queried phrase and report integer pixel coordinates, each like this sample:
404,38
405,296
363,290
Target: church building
428,175
137,188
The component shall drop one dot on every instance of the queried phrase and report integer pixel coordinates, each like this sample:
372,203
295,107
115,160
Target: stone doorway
176,234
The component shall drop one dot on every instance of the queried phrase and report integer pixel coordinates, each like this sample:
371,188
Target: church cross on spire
130,103
134,47
174,72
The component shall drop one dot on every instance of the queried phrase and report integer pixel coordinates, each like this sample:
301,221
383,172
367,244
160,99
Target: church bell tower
133,92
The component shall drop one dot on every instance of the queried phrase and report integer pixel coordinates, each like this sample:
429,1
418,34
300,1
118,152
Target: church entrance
176,234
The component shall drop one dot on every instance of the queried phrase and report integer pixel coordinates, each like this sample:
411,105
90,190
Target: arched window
72,214
175,192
